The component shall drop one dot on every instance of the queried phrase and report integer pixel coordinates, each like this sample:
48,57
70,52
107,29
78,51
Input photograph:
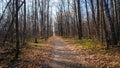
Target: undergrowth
87,43
95,46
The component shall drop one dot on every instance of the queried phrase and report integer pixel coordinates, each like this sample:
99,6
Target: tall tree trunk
116,19
24,29
17,31
79,21
111,24
103,24
36,22
42,19
68,19
98,20
47,20
89,32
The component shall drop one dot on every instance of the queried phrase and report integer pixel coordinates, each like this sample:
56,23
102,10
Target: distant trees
101,20
64,18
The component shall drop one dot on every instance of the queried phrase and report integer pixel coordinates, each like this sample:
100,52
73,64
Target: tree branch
4,10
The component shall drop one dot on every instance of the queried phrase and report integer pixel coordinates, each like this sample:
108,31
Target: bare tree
79,21
89,32
111,24
17,30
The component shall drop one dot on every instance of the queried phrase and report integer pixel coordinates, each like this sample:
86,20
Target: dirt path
62,53
64,56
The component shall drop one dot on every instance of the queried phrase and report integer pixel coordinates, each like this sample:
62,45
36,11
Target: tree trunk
79,21
89,32
24,29
17,32
111,24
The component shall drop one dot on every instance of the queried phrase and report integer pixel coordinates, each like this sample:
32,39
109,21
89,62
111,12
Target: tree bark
111,24
79,21
17,31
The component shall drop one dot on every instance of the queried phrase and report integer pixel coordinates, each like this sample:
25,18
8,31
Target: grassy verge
93,53
88,43
95,46
32,42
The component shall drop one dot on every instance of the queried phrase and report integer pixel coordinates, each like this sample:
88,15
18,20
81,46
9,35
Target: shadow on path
63,57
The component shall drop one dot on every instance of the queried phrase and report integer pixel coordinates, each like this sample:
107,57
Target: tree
35,25
17,30
111,24
89,32
24,29
79,21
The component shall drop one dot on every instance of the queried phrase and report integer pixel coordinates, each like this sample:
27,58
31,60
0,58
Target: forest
59,33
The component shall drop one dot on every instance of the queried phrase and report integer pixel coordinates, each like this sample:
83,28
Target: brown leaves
35,56
99,57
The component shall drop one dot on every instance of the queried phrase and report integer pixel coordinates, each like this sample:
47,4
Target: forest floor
59,52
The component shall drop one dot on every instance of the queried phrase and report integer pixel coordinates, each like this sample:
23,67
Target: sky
55,1
54,4
3,3
54,8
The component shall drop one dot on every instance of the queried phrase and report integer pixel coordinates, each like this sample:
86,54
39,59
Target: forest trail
66,54
59,52
63,56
